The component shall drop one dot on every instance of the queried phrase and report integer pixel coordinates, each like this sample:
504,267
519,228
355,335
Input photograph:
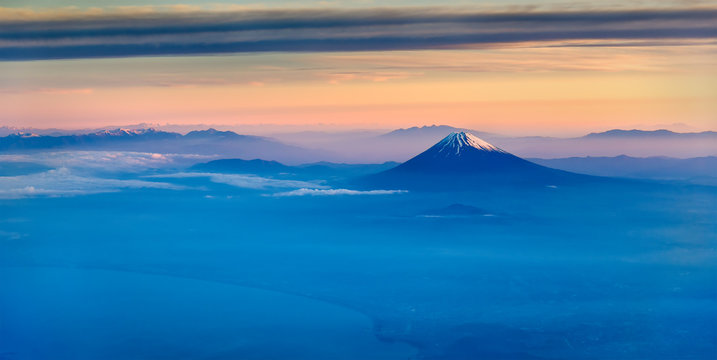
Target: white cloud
113,161
246,181
10,235
677,256
62,182
327,192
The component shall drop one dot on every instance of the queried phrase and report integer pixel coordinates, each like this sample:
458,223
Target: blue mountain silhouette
462,161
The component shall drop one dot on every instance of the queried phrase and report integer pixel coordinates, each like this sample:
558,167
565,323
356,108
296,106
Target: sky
514,67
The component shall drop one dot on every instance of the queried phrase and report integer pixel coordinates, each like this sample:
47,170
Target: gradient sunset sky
514,67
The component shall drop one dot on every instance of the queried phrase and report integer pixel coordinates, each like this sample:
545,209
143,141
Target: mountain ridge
622,133
201,142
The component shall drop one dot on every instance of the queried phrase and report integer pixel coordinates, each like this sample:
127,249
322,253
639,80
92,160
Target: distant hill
463,161
215,134
256,166
618,133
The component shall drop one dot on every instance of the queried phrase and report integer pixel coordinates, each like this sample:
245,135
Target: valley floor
587,272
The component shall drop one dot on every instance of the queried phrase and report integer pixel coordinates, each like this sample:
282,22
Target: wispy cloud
330,192
193,31
107,161
245,181
47,91
677,256
63,182
339,77
11,235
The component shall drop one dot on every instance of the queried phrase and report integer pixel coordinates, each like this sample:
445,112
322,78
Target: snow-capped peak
124,132
25,134
459,141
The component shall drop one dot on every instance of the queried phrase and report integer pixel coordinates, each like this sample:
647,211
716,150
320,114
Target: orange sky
547,88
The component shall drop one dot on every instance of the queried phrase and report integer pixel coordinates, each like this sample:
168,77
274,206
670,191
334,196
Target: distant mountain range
617,133
701,170
11,130
361,146
635,143
459,160
441,131
402,144
203,142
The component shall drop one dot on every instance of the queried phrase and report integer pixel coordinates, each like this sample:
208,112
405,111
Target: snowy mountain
127,132
463,161
461,152
102,139
463,142
371,146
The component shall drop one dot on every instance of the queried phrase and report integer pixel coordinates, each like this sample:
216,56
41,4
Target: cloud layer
245,181
63,182
107,161
207,32
330,192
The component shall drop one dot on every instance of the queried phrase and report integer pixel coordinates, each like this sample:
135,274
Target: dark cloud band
360,30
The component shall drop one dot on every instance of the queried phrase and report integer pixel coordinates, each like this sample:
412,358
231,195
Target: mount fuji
462,161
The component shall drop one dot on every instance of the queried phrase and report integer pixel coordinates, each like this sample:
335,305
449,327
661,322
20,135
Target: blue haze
121,255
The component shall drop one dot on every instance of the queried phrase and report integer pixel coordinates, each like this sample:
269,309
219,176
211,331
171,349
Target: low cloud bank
63,182
107,161
329,192
246,181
